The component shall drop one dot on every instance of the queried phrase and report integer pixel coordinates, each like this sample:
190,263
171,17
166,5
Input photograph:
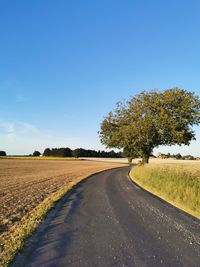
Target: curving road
110,221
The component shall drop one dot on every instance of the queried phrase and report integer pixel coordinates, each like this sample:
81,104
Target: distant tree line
176,156
80,152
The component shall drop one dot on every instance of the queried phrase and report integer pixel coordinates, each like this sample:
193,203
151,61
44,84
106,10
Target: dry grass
28,189
177,183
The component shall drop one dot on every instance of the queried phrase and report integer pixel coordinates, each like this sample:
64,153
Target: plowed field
26,183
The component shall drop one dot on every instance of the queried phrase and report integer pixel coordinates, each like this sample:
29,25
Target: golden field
28,189
177,182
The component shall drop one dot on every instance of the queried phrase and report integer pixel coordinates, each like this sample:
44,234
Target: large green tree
150,119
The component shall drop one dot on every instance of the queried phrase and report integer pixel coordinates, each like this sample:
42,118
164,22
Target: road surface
110,221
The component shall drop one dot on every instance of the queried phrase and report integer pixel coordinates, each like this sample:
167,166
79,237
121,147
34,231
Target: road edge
22,254
170,204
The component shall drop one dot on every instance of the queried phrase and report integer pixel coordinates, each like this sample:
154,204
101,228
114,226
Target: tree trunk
130,159
145,158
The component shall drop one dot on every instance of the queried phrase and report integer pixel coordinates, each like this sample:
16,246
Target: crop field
26,185
174,181
37,158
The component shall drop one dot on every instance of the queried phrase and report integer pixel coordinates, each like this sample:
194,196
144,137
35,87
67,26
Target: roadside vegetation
178,184
29,189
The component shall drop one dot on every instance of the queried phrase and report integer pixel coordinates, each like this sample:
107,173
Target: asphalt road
109,221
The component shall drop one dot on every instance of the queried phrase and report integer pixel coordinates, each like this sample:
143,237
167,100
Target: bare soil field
25,183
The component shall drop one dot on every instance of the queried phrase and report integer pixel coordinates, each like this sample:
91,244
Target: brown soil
26,183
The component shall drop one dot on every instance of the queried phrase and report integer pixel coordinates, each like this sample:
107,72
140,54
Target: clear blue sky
64,65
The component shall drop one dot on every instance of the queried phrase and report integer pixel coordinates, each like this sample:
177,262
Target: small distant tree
36,153
178,156
2,153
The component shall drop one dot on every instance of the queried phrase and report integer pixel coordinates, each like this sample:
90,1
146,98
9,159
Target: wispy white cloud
7,130
12,132
17,137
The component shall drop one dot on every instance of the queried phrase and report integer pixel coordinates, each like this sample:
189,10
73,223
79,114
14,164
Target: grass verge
14,241
176,184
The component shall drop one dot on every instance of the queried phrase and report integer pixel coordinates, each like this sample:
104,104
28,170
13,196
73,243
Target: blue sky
64,65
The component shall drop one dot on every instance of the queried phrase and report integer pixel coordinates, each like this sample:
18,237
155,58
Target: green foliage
177,156
58,152
80,152
2,153
36,153
151,119
47,152
130,152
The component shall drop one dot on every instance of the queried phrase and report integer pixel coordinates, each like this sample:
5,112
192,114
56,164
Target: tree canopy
150,119
2,153
58,152
36,153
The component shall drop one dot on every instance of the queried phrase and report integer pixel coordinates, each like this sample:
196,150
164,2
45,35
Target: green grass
178,184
